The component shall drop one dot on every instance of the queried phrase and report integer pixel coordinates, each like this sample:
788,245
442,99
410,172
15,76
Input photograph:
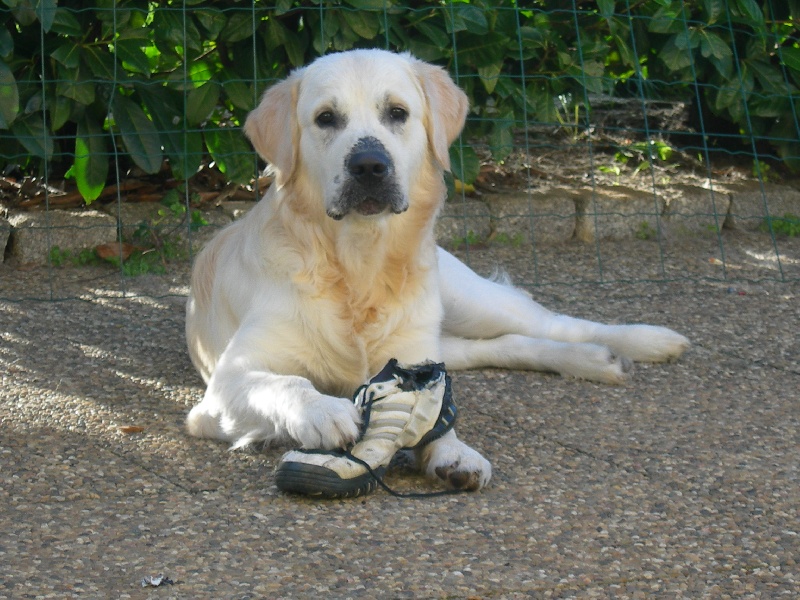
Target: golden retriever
337,270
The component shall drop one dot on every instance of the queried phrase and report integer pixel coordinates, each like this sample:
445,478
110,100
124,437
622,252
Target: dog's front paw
459,466
325,423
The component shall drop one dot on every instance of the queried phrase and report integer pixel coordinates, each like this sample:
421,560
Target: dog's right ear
272,127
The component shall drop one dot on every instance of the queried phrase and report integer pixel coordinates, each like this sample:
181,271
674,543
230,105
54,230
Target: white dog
336,270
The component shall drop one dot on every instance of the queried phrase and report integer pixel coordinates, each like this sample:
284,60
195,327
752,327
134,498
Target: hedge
85,84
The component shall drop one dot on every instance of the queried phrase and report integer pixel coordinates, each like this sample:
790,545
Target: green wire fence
661,126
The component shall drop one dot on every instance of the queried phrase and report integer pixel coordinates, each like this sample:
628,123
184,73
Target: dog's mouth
370,206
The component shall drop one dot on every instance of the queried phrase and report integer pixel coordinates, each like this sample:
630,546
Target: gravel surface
684,483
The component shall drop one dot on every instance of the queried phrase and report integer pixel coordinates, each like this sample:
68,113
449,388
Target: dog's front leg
245,403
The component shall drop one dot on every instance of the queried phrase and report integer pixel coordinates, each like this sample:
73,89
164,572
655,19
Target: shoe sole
320,482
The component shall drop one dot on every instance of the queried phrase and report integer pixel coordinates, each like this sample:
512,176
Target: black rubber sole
319,482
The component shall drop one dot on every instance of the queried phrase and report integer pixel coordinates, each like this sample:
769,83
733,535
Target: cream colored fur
297,304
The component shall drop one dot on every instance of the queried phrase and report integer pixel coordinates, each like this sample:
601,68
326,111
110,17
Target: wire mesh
660,128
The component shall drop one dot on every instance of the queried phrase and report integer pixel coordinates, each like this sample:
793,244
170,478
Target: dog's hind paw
597,363
647,343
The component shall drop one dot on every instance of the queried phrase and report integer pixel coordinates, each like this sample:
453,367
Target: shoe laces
368,397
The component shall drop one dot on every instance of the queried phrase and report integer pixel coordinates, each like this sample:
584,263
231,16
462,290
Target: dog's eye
326,119
398,115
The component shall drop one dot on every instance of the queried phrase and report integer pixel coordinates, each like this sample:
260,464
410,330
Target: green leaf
464,163
237,90
185,151
130,52
367,4
346,38
771,107
489,75
100,64
199,73
183,146
293,43
626,52
9,97
68,54
690,38
725,96
325,31
283,6
435,34
540,97
501,142
769,76
590,76
60,111
732,97
606,8
427,51
91,161
200,102
714,9
6,43
751,10
239,27
532,37
794,9
212,20
138,134
481,50
231,152
65,23
31,133
565,59
23,12
173,31
72,84
366,24
791,58
675,58
34,103
667,19
713,45
718,52
465,17
45,12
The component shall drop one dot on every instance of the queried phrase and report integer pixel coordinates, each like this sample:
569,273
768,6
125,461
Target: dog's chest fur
355,318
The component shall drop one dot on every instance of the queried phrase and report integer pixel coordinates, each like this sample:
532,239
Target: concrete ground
684,483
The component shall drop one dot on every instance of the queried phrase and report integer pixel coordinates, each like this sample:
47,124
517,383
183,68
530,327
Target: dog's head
359,125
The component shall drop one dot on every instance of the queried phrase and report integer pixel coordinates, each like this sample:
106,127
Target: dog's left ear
447,109
272,127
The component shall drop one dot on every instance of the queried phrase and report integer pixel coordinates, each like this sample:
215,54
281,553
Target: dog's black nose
369,167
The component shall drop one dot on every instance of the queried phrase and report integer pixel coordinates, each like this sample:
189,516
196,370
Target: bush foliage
83,84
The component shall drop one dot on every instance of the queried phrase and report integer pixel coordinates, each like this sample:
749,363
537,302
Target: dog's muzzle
370,187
